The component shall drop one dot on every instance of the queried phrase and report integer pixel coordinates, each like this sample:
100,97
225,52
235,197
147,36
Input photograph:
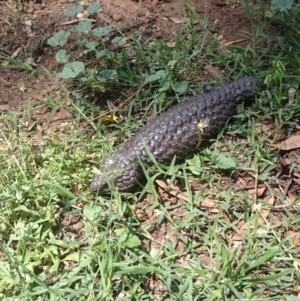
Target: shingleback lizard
177,131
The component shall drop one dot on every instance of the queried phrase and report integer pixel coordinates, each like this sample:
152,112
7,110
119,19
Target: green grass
60,242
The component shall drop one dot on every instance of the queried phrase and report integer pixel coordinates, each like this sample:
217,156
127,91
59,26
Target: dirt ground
25,24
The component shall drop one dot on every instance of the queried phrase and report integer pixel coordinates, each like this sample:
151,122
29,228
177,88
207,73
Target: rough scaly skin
177,131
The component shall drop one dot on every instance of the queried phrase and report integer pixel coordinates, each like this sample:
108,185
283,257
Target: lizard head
116,170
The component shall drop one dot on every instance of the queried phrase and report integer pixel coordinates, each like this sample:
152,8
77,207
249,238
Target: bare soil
24,25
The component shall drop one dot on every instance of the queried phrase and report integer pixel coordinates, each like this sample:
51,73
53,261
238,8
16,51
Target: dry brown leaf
262,128
295,237
242,226
178,20
297,181
252,186
213,70
269,14
141,215
242,181
236,237
290,143
260,191
285,161
32,125
151,281
172,190
171,44
292,197
37,140
296,174
37,6
234,42
61,115
209,204
206,204
296,177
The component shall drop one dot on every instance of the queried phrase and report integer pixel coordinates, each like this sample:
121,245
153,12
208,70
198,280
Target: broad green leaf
195,161
92,213
25,209
57,242
104,75
91,46
85,258
83,27
73,10
132,241
60,190
224,162
119,41
72,257
116,40
217,293
101,31
182,87
195,165
128,239
172,63
62,56
71,70
165,86
161,74
281,5
93,8
104,52
160,97
59,39
100,246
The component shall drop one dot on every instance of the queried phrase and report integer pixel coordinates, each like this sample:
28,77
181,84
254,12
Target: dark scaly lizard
177,131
